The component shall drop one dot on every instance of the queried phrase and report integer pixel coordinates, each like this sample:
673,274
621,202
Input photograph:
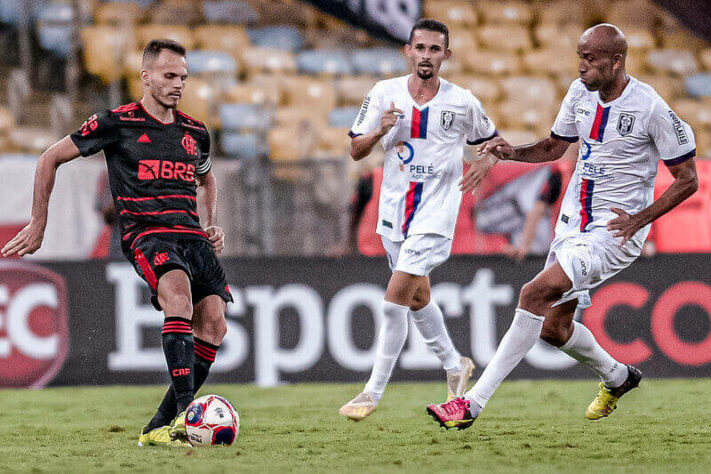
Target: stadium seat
639,39
31,139
279,37
462,41
229,11
119,13
633,13
565,12
636,62
332,142
287,144
205,62
705,59
667,86
199,100
531,90
551,61
672,61
455,65
379,61
276,61
324,62
518,137
343,117
516,113
452,12
106,51
509,37
231,39
253,92
9,10
241,117
176,12
699,85
297,115
54,28
351,90
7,121
488,91
493,62
244,146
563,37
179,33
310,93
494,11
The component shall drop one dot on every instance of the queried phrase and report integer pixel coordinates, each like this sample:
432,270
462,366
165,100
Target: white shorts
417,254
588,259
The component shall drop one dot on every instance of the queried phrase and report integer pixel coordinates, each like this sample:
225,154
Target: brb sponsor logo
165,169
34,335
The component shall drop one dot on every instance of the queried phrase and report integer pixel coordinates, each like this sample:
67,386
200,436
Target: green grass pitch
664,426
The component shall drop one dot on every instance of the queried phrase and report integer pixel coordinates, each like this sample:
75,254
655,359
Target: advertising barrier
315,320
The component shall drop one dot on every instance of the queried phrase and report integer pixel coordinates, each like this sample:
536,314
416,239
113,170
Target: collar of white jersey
628,88
442,83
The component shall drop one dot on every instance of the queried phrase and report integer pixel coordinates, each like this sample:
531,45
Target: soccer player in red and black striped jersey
157,158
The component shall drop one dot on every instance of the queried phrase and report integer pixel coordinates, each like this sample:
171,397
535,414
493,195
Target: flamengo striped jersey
152,168
423,155
621,142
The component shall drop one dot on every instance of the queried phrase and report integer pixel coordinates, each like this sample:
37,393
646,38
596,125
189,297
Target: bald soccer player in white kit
624,128
423,123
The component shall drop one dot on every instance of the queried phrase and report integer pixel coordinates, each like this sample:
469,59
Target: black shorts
153,256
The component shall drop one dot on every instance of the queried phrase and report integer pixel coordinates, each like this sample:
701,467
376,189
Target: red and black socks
179,349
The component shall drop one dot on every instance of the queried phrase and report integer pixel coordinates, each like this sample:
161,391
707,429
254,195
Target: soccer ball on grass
211,420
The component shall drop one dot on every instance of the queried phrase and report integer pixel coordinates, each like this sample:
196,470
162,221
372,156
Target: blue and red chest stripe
418,127
598,129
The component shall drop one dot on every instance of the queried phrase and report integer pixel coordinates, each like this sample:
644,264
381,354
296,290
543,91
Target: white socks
430,322
518,340
583,347
391,338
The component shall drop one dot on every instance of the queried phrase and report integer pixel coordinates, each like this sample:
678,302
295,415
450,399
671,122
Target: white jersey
423,155
621,142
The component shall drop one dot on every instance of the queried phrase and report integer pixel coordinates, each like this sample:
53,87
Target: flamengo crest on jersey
621,142
423,155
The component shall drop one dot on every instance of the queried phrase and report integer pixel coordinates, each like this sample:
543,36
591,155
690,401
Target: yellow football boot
177,428
606,400
160,437
358,408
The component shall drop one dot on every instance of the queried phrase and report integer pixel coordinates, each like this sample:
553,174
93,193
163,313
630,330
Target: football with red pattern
211,420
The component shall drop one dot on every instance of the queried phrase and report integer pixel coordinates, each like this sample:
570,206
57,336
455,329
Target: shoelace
455,406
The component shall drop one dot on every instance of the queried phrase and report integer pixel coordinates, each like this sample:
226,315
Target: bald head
605,38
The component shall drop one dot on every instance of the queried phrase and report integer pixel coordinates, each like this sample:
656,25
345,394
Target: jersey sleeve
672,136
96,133
480,128
204,163
370,114
564,125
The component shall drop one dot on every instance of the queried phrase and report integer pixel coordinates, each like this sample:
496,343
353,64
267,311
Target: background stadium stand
279,83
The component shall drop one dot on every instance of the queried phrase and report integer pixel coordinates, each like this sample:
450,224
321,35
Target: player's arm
362,145
685,184
207,203
29,239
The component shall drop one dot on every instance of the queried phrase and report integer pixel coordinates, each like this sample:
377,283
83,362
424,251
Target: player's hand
389,118
217,237
624,225
26,242
477,171
517,253
498,147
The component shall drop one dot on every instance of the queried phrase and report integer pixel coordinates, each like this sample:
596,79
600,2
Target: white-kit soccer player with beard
624,128
423,123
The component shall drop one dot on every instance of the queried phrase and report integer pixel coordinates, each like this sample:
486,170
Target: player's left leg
429,320
578,342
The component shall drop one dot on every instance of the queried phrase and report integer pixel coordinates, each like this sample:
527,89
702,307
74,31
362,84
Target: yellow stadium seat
289,144
200,101
633,13
290,116
309,93
636,62
493,62
518,114
551,61
703,143
531,90
132,63
667,86
179,33
639,39
510,37
456,64
173,12
104,50
705,59
452,12
518,137
494,11
351,90
672,61
565,12
7,121
253,92
332,142
462,41
232,39
563,37
277,61
119,13
488,91
696,113
135,87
